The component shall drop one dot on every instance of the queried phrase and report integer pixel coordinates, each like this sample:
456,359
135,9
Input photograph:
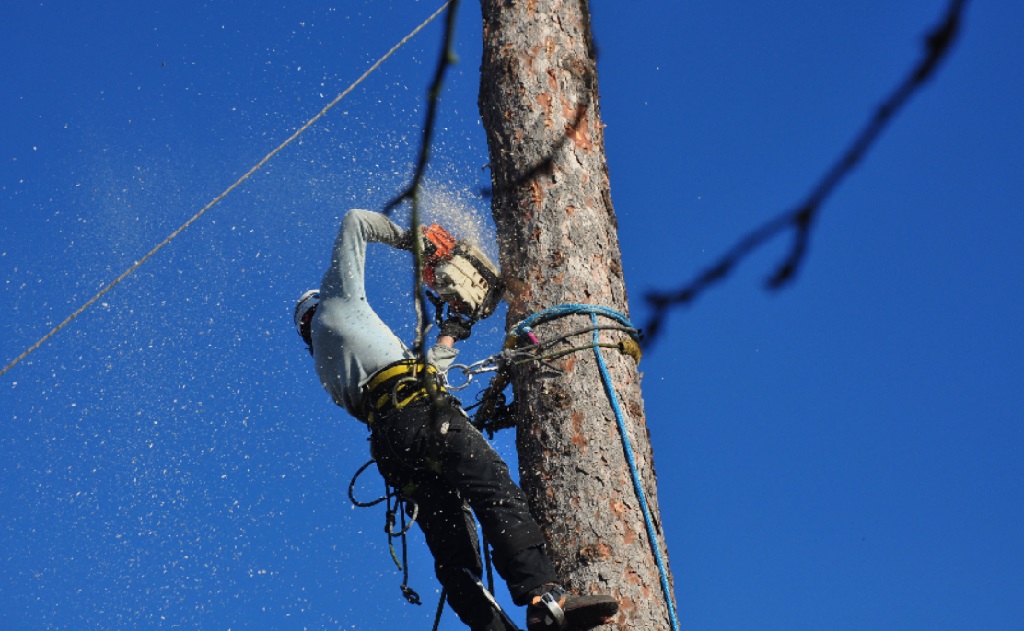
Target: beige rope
218,198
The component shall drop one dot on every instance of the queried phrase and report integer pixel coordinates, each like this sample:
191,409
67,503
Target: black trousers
437,458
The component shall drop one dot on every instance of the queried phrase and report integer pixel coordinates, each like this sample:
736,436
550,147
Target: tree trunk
558,244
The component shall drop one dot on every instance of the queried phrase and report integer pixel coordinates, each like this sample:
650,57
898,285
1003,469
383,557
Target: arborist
420,436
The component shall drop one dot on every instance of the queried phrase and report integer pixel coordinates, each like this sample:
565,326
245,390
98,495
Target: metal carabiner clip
465,373
487,364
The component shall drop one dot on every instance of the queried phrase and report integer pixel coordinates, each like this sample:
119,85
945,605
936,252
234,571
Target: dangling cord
410,594
407,591
487,564
440,610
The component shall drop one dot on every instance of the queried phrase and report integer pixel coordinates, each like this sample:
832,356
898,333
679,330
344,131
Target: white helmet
304,310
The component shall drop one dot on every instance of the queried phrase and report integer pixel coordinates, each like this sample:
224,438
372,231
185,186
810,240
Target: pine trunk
558,244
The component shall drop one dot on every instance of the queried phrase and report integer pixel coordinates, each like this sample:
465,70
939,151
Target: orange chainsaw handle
440,246
443,241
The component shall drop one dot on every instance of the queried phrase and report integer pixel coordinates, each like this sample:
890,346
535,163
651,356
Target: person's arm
345,276
443,353
454,329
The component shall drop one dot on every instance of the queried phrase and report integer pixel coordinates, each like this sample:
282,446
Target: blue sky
843,454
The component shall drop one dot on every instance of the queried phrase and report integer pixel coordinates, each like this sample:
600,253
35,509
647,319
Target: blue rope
635,474
568,309
562,310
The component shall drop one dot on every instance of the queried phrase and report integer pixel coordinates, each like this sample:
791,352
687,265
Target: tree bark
558,244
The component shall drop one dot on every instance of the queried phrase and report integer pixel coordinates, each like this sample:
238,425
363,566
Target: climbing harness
398,385
493,412
394,387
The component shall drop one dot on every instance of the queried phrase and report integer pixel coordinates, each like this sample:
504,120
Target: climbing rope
634,473
537,351
493,412
259,165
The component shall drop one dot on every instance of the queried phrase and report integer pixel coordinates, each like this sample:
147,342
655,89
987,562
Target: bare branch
411,193
801,219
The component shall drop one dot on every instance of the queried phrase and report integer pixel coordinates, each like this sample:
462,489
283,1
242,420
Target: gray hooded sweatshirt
350,341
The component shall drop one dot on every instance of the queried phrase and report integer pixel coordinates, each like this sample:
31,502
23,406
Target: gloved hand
461,284
457,327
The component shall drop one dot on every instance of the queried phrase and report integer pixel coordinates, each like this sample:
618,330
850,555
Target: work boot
552,608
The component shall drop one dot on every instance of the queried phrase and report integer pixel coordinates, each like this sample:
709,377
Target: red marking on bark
578,437
568,111
618,508
598,551
578,131
545,102
634,578
629,538
536,192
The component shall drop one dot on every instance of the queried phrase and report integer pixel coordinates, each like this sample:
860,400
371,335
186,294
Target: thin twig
801,219
411,192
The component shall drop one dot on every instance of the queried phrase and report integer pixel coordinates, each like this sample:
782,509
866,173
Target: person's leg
450,532
398,443
469,463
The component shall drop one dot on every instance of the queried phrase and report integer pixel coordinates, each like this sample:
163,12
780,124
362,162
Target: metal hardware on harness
489,364
554,609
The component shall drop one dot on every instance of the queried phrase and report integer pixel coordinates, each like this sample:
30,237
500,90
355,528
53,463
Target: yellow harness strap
403,378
